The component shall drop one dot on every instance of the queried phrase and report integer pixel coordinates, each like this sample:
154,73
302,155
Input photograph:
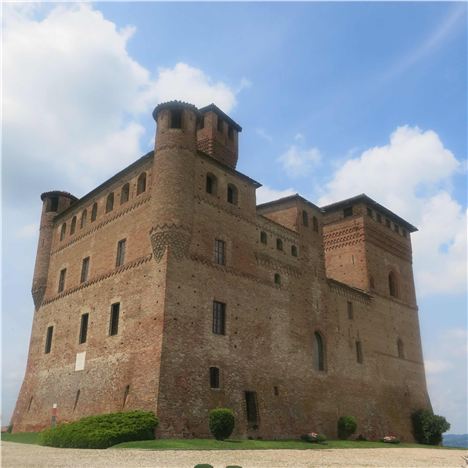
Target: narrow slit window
279,244
232,194
84,215
219,252
211,184
176,118
350,310
63,231
126,393
220,124
319,352
141,183
83,329
263,238
230,133
84,270
369,212
359,352
278,279
30,403
62,276
73,226
201,123
114,319
315,224
219,318
125,194
305,218
94,212
401,349
120,257
214,377
110,202
392,284
48,343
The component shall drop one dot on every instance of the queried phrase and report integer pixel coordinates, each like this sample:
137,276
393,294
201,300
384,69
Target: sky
335,99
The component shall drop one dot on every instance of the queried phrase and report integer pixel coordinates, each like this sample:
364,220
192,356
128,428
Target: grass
21,437
212,444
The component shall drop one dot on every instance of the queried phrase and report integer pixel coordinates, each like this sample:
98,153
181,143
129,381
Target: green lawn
212,444
21,437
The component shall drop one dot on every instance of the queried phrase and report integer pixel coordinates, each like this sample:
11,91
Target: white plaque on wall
80,361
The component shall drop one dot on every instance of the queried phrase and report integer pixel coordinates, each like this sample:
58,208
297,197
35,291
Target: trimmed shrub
102,431
221,423
428,427
203,465
346,427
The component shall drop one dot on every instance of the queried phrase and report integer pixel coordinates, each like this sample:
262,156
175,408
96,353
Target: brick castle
168,289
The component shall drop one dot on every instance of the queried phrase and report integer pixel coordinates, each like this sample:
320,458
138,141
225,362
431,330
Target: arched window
94,212
401,349
125,193
293,250
141,183
277,279
305,218
110,202
84,215
315,224
232,194
211,184
63,230
263,237
73,226
279,244
319,352
393,284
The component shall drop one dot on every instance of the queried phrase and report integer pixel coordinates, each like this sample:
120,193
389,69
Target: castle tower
217,135
173,177
53,203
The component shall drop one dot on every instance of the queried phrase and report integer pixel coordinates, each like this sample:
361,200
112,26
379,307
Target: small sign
80,361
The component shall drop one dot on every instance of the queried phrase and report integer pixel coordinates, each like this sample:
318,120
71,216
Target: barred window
83,328
120,257
84,269
214,377
114,319
219,318
48,343
61,285
219,252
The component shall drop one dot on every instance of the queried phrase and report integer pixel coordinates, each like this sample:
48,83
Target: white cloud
190,84
437,366
263,134
73,96
298,162
411,175
266,194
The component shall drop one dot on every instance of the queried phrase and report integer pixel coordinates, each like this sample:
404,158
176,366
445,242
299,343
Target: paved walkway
24,456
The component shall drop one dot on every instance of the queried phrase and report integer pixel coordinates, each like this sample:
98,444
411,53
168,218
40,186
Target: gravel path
23,455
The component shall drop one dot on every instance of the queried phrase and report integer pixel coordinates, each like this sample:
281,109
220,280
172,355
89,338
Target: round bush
428,427
346,427
221,423
102,431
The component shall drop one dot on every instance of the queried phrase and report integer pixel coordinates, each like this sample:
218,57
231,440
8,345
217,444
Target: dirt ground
16,455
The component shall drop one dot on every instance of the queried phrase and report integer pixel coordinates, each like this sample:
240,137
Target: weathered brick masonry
319,317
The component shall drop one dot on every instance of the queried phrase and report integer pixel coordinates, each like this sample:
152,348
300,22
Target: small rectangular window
48,343
176,118
214,377
348,211
230,133
251,407
350,310
220,124
83,328
120,258
114,319
359,352
369,212
84,269
219,252
53,204
61,285
219,318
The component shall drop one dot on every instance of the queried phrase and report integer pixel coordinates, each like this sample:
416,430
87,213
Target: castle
168,289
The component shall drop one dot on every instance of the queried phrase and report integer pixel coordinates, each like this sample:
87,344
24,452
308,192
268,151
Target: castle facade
168,289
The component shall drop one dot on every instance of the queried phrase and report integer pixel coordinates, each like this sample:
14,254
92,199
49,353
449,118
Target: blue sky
335,99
